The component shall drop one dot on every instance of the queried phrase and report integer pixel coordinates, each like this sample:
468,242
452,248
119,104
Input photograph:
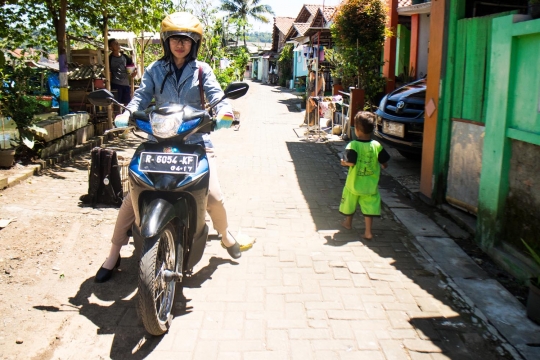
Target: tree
286,64
245,9
30,24
20,100
359,31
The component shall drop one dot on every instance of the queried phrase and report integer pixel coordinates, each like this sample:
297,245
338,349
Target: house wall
423,44
509,198
260,70
300,65
521,218
437,51
402,50
281,42
255,68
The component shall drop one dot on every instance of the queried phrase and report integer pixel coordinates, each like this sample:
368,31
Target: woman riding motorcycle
175,79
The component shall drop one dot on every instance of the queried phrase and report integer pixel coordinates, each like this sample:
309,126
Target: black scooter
168,181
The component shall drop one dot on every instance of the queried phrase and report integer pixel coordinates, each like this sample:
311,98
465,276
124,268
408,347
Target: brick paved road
307,290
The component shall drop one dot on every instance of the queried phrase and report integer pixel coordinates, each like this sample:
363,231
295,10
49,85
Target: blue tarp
53,81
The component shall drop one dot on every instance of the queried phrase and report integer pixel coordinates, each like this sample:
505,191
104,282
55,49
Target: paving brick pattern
308,289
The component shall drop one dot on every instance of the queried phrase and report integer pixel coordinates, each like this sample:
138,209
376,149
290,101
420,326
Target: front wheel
156,294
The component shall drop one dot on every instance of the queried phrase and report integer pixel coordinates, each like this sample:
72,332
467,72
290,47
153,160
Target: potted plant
533,299
534,9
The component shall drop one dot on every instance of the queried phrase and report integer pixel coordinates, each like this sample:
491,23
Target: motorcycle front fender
154,216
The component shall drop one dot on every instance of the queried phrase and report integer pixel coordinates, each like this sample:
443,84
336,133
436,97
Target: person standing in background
119,63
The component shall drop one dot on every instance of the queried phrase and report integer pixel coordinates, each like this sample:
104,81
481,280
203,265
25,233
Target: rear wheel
156,295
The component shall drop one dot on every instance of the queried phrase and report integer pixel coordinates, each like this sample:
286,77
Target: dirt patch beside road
47,252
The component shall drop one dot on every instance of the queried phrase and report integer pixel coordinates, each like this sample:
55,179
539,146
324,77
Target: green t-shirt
363,177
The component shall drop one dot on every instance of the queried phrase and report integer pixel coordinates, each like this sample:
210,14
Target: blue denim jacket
185,91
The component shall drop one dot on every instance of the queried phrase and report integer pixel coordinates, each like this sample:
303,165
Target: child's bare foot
346,224
367,237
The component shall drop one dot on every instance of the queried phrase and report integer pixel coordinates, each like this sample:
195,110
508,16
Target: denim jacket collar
186,74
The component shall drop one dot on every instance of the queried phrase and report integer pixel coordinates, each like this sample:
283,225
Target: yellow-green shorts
370,205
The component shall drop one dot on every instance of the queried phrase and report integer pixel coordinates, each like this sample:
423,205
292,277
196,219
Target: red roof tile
301,27
283,24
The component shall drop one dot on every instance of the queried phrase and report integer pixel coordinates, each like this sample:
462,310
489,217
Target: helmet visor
193,36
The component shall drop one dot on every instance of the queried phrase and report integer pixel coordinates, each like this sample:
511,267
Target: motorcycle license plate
168,163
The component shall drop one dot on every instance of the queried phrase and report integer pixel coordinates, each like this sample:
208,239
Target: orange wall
437,43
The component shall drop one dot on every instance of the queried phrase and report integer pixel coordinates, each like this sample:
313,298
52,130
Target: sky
289,8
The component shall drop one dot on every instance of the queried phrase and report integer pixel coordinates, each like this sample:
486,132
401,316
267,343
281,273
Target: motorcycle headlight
166,126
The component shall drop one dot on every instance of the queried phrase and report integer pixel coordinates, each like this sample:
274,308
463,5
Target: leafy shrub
18,99
359,32
285,64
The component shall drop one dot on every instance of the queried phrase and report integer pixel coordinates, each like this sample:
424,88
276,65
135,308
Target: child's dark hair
111,40
365,121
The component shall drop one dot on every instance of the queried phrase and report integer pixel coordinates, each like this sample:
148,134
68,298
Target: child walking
364,157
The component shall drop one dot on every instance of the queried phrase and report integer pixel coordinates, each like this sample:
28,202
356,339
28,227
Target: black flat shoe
234,251
104,275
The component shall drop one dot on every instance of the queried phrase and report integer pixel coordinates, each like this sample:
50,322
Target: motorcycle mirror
236,90
101,97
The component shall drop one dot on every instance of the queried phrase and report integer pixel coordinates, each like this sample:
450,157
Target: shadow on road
292,104
111,306
392,280
120,319
195,281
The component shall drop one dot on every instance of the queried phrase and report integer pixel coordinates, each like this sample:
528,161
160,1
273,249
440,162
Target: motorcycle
168,181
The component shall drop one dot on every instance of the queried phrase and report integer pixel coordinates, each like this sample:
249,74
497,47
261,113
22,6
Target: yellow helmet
181,23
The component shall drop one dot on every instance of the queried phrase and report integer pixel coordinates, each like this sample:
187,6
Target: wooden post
63,104
336,89
413,56
107,68
356,104
389,68
357,101
439,97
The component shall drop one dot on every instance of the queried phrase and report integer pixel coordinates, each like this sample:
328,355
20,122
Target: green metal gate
468,111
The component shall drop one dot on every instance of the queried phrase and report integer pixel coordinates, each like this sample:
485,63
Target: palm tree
243,9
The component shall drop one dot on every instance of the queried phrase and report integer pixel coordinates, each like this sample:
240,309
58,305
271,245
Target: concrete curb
59,158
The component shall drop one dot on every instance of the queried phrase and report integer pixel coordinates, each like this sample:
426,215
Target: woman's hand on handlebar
224,119
121,120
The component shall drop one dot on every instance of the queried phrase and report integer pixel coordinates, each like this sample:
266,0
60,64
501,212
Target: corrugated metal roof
121,35
83,72
129,35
